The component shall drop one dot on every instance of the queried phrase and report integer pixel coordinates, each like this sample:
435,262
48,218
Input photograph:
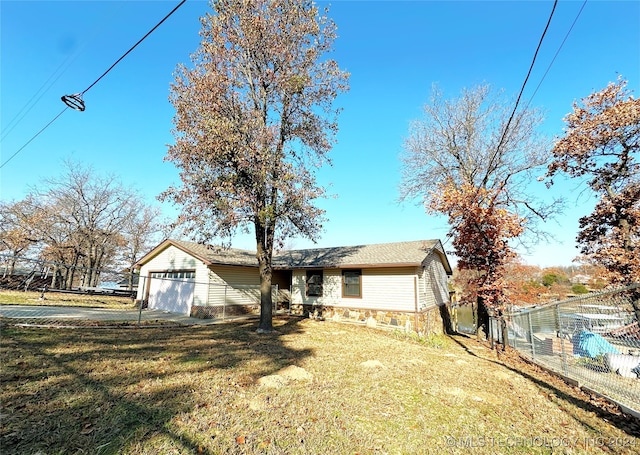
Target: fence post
491,332
531,338
561,335
275,309
224,302
141,301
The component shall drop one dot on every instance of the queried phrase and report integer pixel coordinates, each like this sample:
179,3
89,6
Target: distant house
393,283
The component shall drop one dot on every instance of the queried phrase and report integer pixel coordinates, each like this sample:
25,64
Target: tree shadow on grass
624,422
112,390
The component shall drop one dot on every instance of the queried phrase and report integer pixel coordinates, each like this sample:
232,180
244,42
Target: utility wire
31,103
513,113
44,88
135,45
34,136
557,52
79,96
506,129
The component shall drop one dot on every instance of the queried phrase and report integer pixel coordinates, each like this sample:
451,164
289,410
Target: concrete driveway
96,314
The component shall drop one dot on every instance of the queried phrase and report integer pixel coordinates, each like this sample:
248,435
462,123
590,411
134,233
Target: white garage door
172,291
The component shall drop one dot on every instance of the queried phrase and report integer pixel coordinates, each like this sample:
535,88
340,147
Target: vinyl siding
331,288
234,285
389,288
433,283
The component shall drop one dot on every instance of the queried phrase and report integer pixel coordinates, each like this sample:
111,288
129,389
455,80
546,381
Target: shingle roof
381,254
207,253
389,254
219,255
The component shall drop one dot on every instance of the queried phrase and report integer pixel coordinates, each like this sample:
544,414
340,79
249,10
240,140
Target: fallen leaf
240,439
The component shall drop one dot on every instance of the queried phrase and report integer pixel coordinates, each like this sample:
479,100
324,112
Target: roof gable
206,253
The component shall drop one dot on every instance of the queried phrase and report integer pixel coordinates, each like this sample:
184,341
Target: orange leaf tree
471,160
601,142
481,236
253,120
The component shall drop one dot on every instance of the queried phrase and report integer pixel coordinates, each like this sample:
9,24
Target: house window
314,283
351,283
190,274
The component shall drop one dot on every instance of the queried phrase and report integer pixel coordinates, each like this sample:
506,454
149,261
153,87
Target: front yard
316,387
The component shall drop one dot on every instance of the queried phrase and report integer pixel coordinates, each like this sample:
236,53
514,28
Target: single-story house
390,282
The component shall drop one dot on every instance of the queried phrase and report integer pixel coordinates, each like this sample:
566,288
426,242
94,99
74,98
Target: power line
557,52
34,136
75,101
44,88
36,96
515,107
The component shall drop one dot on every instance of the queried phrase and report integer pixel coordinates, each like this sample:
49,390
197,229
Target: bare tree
464,162
86,222
254,118
140,233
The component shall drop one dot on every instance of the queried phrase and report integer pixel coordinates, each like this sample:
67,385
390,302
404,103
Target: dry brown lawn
313,388
13,297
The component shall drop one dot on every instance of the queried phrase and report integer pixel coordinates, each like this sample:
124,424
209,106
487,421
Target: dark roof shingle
391,254
374,255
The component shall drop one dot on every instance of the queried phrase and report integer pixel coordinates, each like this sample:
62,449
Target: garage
172,291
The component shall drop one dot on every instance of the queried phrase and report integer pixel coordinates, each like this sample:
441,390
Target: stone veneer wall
216,311
429,320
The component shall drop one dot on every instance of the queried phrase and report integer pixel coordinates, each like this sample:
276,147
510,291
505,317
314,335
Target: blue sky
394,51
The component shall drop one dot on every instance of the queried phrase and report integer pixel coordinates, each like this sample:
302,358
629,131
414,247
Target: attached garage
181,277
172,291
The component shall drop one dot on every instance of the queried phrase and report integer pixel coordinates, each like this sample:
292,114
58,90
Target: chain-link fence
27,274
593,340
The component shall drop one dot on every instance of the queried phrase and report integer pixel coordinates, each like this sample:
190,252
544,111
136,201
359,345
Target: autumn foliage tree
18,232
471,159
522,282
601,143
253,120
481,236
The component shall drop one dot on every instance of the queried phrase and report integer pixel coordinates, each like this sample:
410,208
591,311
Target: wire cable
557,52
135,45
53,78
34,136
515,107
74,101
34,99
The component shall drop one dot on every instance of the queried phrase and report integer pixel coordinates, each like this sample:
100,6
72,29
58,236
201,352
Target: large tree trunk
264,254
266,301
447,324
482,320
